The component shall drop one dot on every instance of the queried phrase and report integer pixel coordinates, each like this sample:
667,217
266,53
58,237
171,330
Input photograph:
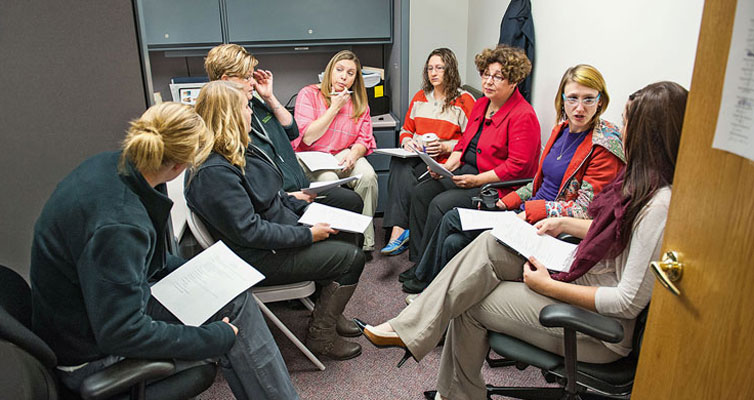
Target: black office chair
27,364
578,380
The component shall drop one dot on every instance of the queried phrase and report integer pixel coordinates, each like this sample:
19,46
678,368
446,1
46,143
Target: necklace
577,140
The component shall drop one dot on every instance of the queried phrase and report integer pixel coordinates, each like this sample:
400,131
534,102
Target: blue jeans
253,368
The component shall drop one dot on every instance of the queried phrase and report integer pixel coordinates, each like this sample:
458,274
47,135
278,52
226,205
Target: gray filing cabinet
181,22
385,133
201,24
300,21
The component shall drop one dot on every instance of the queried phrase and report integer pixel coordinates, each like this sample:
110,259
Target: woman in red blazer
501,142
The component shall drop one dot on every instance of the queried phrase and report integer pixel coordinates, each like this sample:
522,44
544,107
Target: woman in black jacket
238,194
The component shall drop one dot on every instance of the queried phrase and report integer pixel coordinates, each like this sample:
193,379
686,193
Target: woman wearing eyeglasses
501,142
583,154
442,108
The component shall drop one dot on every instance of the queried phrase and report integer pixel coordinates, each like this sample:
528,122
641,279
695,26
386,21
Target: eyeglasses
586,101
438,68
248,78
495,78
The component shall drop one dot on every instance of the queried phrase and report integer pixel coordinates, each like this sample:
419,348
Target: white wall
633,43
433,24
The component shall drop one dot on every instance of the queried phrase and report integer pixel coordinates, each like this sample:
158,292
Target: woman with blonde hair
334,118
91,285
238,194
583,154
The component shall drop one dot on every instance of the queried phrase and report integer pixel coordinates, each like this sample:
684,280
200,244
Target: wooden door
700,345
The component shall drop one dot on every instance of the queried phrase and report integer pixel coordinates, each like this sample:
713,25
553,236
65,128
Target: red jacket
509,143
595,163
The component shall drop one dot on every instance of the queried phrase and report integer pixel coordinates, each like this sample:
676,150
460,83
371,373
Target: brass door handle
668,270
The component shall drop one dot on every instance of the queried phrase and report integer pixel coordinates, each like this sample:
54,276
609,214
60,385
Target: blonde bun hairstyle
166,132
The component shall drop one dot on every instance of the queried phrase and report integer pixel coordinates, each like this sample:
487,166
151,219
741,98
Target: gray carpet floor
373,375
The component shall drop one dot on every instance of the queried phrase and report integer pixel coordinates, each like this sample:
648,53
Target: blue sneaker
397,245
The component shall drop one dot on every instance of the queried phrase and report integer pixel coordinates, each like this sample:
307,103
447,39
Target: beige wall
632,43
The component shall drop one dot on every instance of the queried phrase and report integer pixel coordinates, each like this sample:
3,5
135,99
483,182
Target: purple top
555,164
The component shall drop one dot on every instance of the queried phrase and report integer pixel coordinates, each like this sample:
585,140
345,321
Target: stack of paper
434,166
317,160
554,254
203,285
341,220
396,152
318,187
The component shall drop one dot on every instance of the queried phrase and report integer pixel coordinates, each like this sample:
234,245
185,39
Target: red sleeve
409,125
523,148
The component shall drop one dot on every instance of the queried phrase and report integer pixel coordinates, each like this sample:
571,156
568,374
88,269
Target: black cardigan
247,210
98,241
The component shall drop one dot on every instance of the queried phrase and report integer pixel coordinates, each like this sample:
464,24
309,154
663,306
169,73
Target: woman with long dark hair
480,289
441,108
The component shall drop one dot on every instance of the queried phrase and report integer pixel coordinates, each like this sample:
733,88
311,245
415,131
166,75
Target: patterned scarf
603,240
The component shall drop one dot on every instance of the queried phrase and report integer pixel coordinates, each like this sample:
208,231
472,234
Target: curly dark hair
451,78
516,66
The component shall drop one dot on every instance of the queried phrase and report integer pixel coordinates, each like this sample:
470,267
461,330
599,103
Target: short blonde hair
220,103
586,75
229,59
359,95
516,66
166,132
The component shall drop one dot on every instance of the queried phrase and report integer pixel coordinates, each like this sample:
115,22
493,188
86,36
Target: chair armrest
581,320
506,184
121,376
567,237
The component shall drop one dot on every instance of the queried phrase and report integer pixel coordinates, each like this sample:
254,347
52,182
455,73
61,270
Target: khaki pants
475,293
366,187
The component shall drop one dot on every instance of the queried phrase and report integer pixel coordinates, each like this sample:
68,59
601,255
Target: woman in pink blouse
334,118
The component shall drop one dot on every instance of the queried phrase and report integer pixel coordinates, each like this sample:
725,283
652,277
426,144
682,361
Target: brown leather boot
322,338
346,327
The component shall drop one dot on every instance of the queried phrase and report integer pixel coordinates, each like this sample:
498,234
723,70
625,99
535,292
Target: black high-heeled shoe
381,341
430,394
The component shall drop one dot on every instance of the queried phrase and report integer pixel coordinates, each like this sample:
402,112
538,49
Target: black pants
404,176
346,199
324,262
446,241
430,200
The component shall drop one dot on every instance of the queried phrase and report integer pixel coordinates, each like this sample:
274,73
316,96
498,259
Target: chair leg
289,334
308,303
527,393
498,362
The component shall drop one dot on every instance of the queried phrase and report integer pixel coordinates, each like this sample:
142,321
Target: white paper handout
480,219
434,165
735,122
206,283
396,152
341,220
318,187
554,254
317,160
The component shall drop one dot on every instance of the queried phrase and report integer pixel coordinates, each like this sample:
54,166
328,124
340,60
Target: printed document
554,254
396,152
341,220
203,285
434,165
472,220
317,160
318,187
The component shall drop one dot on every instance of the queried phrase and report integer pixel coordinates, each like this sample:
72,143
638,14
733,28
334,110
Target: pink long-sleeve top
342,133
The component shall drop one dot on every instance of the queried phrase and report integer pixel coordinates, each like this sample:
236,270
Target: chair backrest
199,230
179,212
15,295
